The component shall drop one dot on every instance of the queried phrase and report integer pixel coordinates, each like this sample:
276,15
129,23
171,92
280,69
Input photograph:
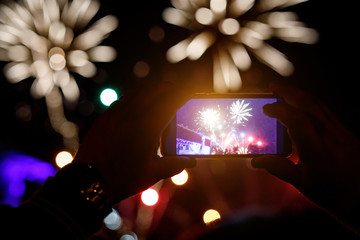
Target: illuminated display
225,126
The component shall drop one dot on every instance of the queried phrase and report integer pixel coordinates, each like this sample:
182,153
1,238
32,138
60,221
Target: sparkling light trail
47,40
234,29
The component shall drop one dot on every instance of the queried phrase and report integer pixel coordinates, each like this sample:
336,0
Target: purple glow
15,169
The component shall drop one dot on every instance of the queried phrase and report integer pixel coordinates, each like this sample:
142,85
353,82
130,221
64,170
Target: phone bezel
287,147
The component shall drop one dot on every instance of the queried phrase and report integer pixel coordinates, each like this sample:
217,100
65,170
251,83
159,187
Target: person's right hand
327,169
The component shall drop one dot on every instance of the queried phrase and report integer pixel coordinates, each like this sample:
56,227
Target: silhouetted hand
327,169
123,142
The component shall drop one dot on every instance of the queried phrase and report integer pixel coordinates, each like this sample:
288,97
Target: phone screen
219,126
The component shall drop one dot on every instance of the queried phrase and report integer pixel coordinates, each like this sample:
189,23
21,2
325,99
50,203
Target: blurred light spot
18,53
63,158
108,96
141,69
260,30
199,45
128,237
16,72
106,24
238,7
57,58
181,178
42,86
23,112
97,33
175,16
178,52
211,215
113,221
15,170
40,68
275,59
218,5
102,54
281,19
229,26
71,90
298,34
61,78
156,34
240,56
88,70
204,16
77,58
150,197
68,129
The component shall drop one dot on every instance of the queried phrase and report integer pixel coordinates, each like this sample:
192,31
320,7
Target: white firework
49,39
209,117
235,28
239,111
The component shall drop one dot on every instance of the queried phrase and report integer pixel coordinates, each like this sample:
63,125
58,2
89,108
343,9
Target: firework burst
235,28
239,111
209,118
48,39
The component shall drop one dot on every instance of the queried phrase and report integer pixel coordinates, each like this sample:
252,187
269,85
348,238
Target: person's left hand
122,144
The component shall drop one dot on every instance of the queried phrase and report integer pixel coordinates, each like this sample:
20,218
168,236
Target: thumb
280,167
170,166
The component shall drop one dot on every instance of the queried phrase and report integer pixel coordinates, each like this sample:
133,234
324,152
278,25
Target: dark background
329,69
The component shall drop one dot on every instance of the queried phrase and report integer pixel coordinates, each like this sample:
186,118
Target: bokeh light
108,96
141,69
131,236
181,178
150,197
113,221
211,215
156,34
63,158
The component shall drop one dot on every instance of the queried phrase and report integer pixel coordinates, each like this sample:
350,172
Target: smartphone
225,126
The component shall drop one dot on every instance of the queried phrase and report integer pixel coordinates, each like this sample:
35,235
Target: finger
280,167
300,127
304,101
164,108
297,122
165,167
